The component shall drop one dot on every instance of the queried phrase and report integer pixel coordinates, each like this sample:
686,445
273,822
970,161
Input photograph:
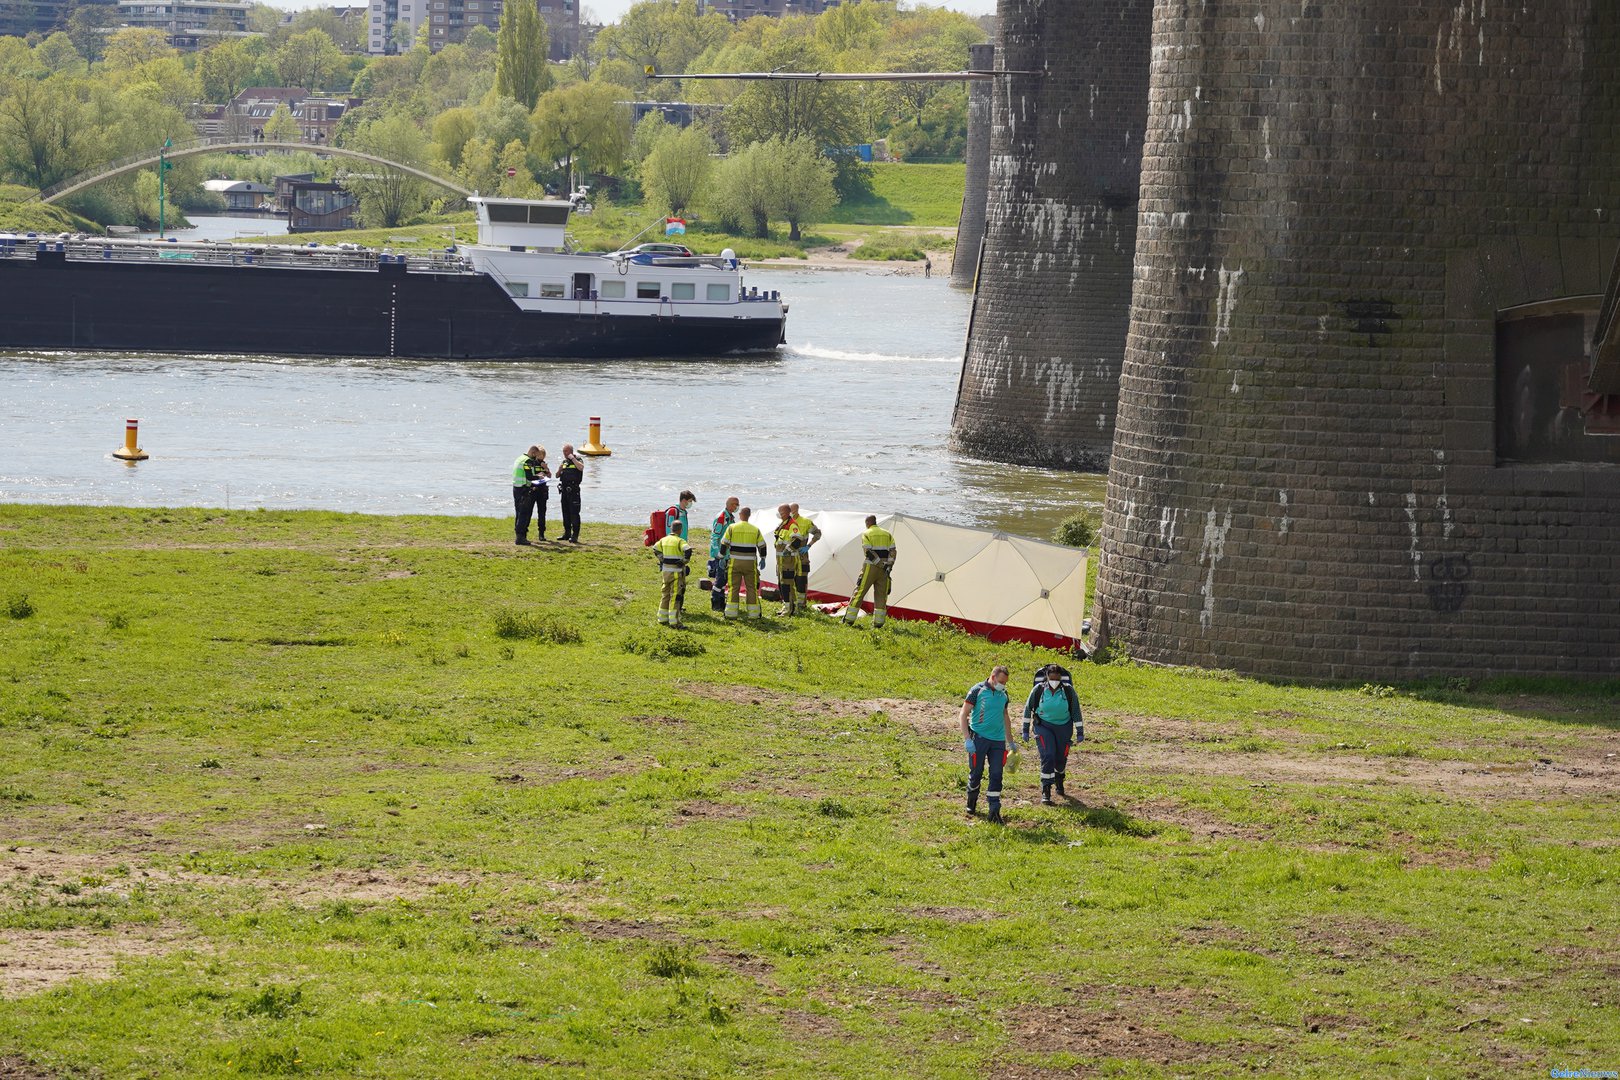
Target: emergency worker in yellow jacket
743,546
878,547
789,561
674,557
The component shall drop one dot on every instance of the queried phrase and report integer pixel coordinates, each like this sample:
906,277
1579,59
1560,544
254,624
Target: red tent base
978,629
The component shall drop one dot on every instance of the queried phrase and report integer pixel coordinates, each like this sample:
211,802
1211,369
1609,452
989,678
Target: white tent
1009,588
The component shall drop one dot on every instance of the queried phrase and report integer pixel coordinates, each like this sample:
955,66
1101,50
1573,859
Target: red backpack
655,530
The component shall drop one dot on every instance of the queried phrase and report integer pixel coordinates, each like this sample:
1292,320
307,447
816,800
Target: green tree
451,130
520,54
582,121
282,126
58,53
514,178
131,47
388,196
787,109
45,131
665,35
344,34
677,171
745,190
805,191
308,60
87,27
225,70
650,129
853,27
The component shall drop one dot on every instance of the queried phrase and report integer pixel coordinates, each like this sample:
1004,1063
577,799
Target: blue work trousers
1053,741
994,753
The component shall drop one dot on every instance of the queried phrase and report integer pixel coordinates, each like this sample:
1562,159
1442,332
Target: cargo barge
517,294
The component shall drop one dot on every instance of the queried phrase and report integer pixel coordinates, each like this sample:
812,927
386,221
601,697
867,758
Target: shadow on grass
1105,819
872,210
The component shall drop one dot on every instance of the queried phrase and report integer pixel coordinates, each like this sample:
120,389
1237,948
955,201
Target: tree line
492,113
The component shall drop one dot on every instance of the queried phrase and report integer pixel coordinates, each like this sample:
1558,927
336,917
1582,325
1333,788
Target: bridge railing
188,147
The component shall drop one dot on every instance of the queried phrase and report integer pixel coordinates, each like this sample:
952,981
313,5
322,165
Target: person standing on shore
1054,709
788,541
569,474
676,515
717,565
674,559
987,732
878,546
523,477
542,489
812,535
743,546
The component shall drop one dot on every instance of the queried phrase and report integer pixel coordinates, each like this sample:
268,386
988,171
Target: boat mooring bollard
130,452
593,446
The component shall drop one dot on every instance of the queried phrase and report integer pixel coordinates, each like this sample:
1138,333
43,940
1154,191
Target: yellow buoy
129,451
593,446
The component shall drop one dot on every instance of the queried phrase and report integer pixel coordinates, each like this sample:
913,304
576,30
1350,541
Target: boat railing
211,254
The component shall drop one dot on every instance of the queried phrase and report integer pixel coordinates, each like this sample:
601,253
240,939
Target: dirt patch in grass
953,914
27,871
802,1024
704,810
1125,1033
1356,938
35,960
1452,779
16,1068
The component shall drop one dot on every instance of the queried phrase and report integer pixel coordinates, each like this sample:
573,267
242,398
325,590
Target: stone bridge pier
1040,380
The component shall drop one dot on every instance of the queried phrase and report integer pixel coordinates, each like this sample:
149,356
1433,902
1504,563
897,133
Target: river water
853,414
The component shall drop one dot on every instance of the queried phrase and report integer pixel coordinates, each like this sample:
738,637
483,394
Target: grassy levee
277,797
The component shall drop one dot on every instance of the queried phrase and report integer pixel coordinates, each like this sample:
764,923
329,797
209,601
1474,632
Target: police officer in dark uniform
569,473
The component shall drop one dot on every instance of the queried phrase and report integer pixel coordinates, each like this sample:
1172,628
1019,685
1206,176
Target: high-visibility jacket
522,471
675,515
807,529
789,540
743,540
569,474
672,552
878,545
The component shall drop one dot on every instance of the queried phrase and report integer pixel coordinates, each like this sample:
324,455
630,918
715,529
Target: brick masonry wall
976,192
1337,200
1040,379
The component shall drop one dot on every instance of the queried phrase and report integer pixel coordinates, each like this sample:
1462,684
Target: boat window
612,290
518,288
719,292
683,290
648,290
548,215
551,290
506,213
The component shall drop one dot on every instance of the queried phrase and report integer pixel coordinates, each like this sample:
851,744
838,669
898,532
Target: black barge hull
51,302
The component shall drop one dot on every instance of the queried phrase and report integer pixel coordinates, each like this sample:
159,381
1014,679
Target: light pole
163,167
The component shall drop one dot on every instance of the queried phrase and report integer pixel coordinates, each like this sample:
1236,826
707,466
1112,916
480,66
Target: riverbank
349,795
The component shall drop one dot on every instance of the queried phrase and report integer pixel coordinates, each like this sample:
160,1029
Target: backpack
657,528
1063,676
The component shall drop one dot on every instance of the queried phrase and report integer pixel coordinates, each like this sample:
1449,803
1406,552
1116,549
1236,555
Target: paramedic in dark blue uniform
987,732
1054,709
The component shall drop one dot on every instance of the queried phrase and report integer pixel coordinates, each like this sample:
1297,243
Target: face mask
1001,686
1053,683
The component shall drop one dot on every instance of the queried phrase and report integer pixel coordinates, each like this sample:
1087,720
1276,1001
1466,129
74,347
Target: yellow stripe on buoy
129,451
593,446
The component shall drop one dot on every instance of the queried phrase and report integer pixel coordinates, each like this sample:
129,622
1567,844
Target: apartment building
448,22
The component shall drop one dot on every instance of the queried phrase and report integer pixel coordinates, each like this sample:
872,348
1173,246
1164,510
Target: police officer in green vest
674,556
743,546
525,478
987,732
878,547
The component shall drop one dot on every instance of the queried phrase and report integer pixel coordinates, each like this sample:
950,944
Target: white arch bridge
193,147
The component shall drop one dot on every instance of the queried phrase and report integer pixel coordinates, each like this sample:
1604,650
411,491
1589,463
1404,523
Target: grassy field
325,794
916,195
